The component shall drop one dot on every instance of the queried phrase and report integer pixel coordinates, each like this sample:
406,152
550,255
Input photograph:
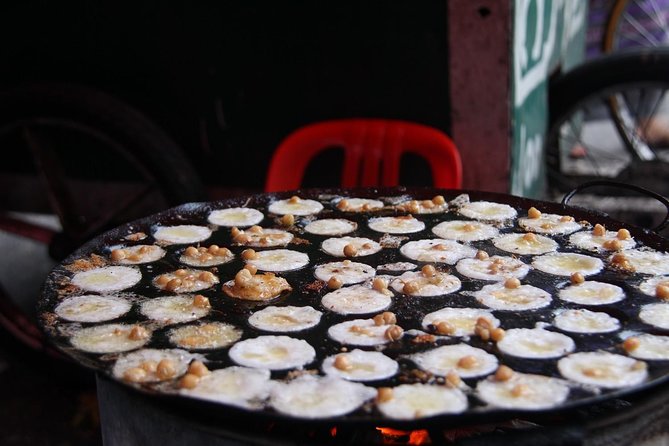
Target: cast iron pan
409,310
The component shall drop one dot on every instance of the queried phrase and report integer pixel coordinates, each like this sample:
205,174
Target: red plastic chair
372,152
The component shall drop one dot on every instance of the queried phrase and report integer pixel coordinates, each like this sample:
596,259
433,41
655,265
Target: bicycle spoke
649,118
640,29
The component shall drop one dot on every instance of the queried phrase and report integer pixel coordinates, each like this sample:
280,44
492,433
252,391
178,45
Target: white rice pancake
205,336
285,319
537,391
356,299
206,257
363,246
603,369
649,286
236,386
656,315
438,285
109,338
567,263
525,297
592,293
404,224
549,224
235,217
445,359
138,254
648,261
181,234
585,321
179,359
173,309
463,320
535,343
92,308
358,205
437,250
279,260
361,366
493,268
191,280
651,348
363,332
465,230
397,267
331,226
347,271
313,397
272,352
267,238
411,401
295,206
519,244
586,240
107,279
487,211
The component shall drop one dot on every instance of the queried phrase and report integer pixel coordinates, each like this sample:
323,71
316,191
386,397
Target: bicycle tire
615,20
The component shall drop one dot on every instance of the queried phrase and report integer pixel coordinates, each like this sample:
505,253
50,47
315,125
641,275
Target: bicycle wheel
89,159
609,119
634,24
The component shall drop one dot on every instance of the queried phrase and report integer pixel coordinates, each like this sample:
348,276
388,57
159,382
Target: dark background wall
228,80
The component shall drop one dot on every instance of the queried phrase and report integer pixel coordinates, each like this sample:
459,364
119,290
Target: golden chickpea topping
255,229
189,381
224,252
439,200
519,390
483,333
566,218
342,205
482,255
335,283
206,276
598,230
662,291
198,369
144,249
181,272
414,207
469,227
410,287
213,249
512,283
135,374
533,213
467,362
453,379
631,343
379,284
137,333
201,301
593,372
251,268
428,270
620,260
484,322
294,199
440,247
503,373
235,232
249,254
497,334
623,234
530,237
166,369
206,257
134,257
191,251
444,328
366,207
243,277
385,318
341,362
288,220
118,254
173,284
612,245
384,394
428,204
149,366
394,332
243,238
577,278
350,250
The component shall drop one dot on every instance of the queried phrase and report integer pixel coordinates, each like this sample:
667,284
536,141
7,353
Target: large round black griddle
409,310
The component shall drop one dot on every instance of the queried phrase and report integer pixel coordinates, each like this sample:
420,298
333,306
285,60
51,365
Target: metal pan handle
650,193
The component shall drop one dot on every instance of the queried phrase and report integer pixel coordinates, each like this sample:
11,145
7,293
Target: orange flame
416,438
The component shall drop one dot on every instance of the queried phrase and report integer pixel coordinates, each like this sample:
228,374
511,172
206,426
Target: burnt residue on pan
409,310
